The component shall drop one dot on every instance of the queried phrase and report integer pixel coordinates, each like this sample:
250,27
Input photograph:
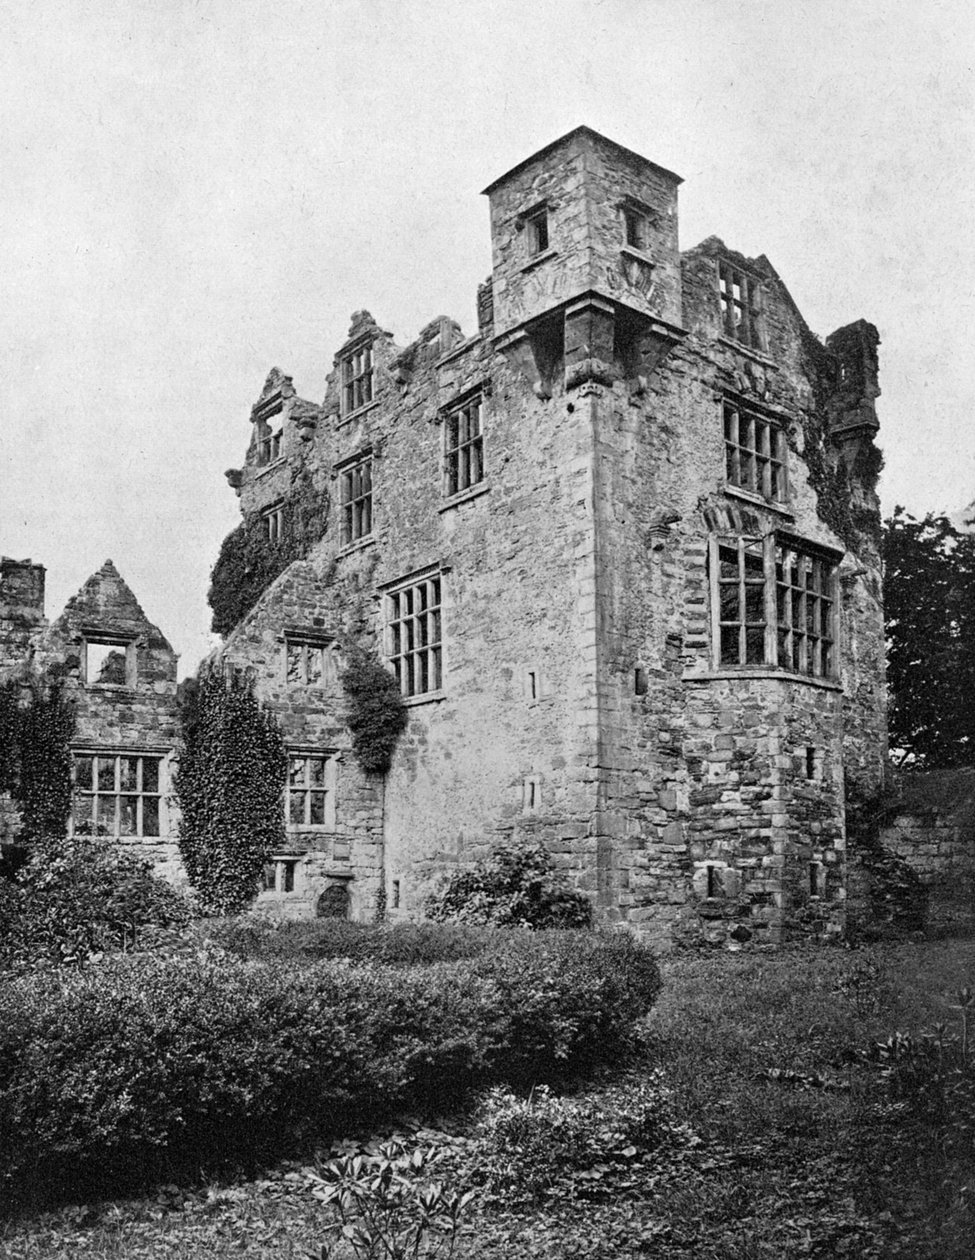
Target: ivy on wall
229,786
376,715
35,754
249,562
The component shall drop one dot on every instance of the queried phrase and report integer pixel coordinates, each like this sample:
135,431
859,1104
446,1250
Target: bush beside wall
144,1068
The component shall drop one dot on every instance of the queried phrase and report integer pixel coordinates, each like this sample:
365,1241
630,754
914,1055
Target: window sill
760,356
360,544
472,492
630,251
262,470
537,259
428,697
747,497
458,351
762,672
359,412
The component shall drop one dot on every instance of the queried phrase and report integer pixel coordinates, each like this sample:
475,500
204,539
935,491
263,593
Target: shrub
515,887
231,773
75,897
145,1067
376,715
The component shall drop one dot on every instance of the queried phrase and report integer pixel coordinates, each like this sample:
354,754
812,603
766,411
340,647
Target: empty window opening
640,681
311,790
357,380
396,894
280,875
714,888
754,453
741,307
107,663
463,447
635,228
536,226
311,663
815,879
811,763
115,794
357,500
270,437
414,629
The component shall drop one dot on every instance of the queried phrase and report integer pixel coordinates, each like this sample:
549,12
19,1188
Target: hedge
145,1068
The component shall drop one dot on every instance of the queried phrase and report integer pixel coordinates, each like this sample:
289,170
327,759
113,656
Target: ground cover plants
759,1117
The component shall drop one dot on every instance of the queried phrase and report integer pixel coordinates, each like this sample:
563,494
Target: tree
229,786
929,594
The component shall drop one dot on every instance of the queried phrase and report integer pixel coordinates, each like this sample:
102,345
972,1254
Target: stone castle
619,546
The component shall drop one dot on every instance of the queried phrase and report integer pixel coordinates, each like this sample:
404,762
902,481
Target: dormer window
536,230
741,306
356,368
270,436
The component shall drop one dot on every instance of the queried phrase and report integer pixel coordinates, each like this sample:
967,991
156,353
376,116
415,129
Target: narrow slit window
536,226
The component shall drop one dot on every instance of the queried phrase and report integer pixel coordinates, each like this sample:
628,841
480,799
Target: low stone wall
932,827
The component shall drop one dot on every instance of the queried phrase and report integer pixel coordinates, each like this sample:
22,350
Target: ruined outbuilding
119,673
619,546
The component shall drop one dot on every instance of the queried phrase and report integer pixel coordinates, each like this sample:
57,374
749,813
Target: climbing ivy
35,753
249,562
376,715
229,786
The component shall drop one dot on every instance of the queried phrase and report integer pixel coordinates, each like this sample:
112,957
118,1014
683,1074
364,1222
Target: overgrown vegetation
376,715
228,784
515,887
890,898
75,898
249,562
36,725
797,1106
146,1068
929,598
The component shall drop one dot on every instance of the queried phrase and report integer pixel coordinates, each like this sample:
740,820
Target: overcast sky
195,191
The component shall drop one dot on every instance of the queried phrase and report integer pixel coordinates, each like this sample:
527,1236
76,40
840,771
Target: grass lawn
786,1144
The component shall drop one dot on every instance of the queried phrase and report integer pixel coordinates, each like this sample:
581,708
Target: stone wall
931,826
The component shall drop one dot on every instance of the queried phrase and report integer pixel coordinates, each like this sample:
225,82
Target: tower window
773,604
635,229
536,226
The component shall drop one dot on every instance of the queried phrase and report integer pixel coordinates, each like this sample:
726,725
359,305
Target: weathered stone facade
120,675
619,546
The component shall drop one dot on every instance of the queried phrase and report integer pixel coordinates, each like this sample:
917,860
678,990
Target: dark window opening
537,228
754,453
463,447
357,374
357,500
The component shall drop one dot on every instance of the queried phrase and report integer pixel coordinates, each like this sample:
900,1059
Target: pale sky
194,191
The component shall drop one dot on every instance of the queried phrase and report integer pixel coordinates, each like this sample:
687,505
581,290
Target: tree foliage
515,887
35,753
376,715
929,593
229,786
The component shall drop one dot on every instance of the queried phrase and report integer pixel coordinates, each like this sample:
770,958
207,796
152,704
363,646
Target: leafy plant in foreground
386,1207
515,887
